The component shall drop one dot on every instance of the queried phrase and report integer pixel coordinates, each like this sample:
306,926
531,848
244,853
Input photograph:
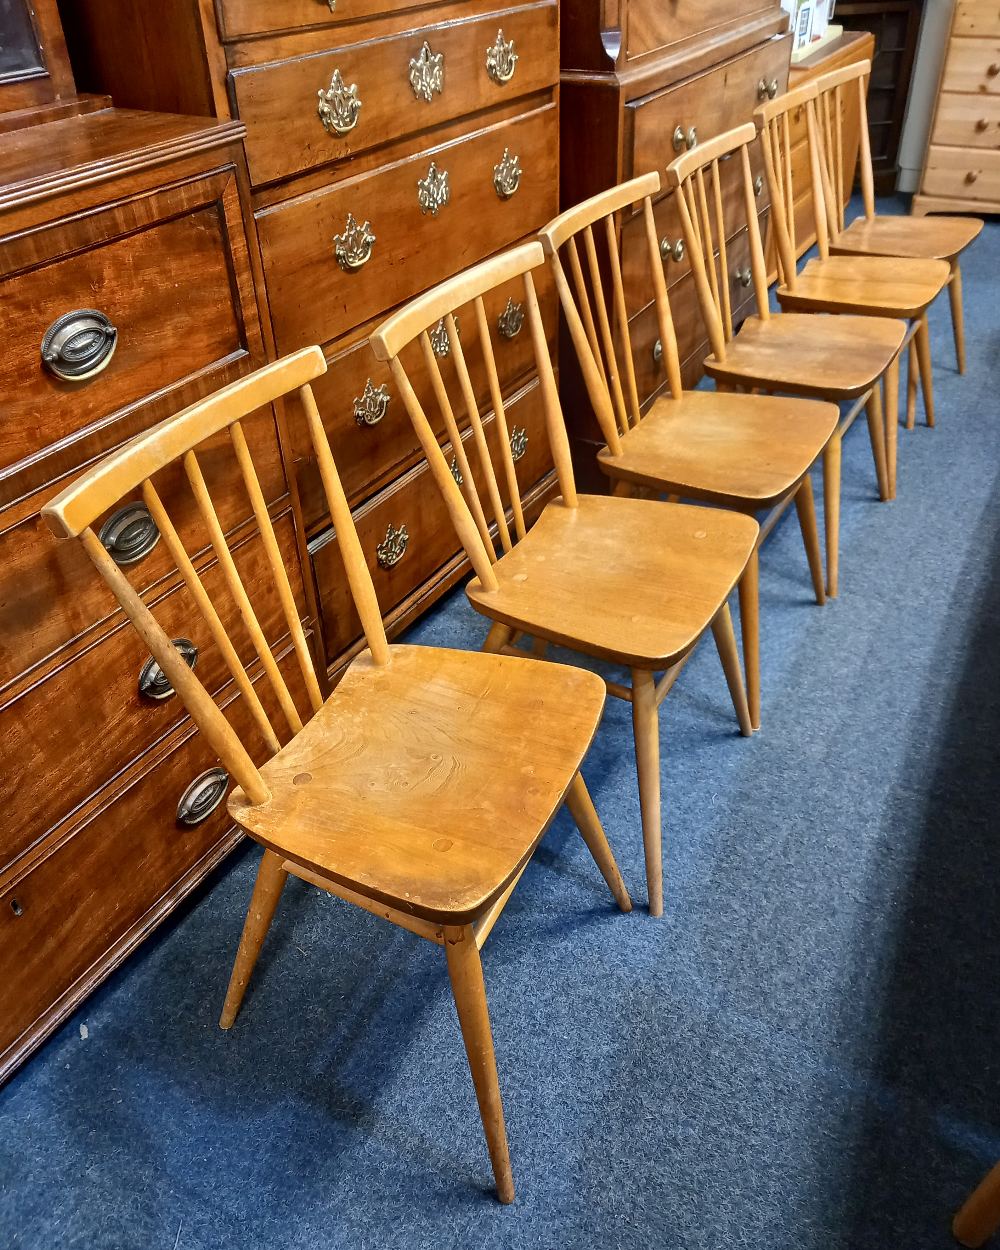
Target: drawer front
167,275
967,121
972,17
413,503
240,18
42,781
962,175
652,25
279,102
70,910
711,103
972,65
314,293
368,427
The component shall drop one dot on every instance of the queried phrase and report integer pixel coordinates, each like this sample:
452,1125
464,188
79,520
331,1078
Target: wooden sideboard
390,144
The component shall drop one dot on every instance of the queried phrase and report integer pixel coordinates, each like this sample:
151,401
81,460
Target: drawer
415,505
711,103
962,175
972,17
314,293
46,773
652,26
160,270
368,427
238,19
102,886
382,89
972,65
967,121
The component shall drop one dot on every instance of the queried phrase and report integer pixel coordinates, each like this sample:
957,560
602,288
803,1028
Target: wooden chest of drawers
389,144
962,164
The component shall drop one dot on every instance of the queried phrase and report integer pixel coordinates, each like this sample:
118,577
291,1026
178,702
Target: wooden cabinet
390,144
962,164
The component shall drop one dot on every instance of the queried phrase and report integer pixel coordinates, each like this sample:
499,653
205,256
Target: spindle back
836,92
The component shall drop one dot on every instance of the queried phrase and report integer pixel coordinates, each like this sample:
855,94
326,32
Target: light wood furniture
979,1216
594,574
835,358
748,452
389,145
439,848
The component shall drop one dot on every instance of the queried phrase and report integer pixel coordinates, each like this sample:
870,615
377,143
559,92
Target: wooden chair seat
741,450
869,286
634,581
926,238
393,788
840,357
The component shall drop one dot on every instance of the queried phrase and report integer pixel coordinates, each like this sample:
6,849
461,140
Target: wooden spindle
664,317
604,322
555,423
500,418
621,317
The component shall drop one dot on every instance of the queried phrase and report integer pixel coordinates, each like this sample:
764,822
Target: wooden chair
979,1216
919,238
868,286
835,358
419,789
752,453
631,581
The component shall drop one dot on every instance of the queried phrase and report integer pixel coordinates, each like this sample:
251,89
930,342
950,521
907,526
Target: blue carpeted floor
802,1053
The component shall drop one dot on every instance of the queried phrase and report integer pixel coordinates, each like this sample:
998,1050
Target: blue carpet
802,1053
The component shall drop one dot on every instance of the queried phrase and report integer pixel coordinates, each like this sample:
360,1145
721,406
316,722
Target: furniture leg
725,641
876,431
749,591
581,808
979,1216
271,878
911,385
957,315
646,730
831,513
890,406
922,338
806,509
498,638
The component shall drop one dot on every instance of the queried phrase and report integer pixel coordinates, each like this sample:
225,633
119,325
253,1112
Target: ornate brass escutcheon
371,405
339,106
353,248
433,192
511,320
440,341
507,175
392,548
501,59
456,472
518,443
427,73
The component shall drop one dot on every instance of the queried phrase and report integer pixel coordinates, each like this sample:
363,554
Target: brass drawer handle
79,345
971,176
456,472
353,248
993,70
202,797
330,4
982,124
511,320
427,73
154,683
440,341
433,192
678,139
744,276
501,60
772,88
339,105
685,138
16,907
518,443
371,405
657,351
758,184
674,251
761,90
507,175
129,534
392,548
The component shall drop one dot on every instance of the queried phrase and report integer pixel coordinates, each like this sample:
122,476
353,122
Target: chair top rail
574,219
837,77
680,169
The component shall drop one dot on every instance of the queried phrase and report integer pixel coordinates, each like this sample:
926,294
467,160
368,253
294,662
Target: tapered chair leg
498,638
581,808
725,641
466,972
979,1216
922,338
876,430
890,406
911,385
806,508
957,315
646,730
271,878
831,513
749,589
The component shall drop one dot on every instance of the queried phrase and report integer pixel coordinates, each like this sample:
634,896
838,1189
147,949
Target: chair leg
979,1216
749,590
806,509
922,338
466,972
271,878
911,385
581,808
890,406
831,513
876,431
646,730
498,637
725,641
957,316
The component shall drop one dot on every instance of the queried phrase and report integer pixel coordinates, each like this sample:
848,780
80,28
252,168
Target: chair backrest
838,92
72,513
601,335
700,202
475,512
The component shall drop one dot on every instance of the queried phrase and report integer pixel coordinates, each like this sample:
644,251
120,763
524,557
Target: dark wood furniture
389,146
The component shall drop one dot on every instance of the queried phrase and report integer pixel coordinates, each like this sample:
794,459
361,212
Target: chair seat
427,783
634,581
839,357
929,238
871,286
745,450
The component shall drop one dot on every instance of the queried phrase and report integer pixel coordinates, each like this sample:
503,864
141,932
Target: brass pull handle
670,250
202,797
353,248
772,88
330,4
440,341
427,73
339,105
971,176
16,907
456,472
392,548
758,184
657,351
501,60
679,139
507,175
154,683
371,405
511,320
761,90
79,345
433,192
982,124
518,443
129,534
744,276
691,138
993,70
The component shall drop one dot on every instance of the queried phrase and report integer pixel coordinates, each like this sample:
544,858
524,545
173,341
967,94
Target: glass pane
20,55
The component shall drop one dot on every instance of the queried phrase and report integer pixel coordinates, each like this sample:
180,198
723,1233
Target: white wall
930,52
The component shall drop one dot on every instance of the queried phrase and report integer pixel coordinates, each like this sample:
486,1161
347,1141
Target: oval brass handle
202,797
353,248
758,184
507,175
392,548
993,70
511,320
691,138
154,683
372,404
657,351
518,443
670,250
971,176
338,105
772,88
744,276
501,59
427,73
129,534
762,90
679,139
982,124
79,345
